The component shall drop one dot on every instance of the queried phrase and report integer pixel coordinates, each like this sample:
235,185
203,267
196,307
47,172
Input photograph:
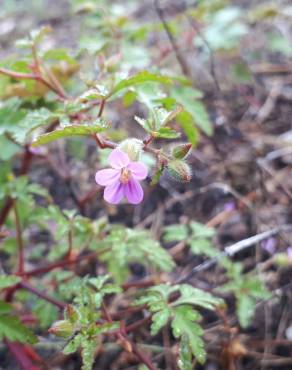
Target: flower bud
62,328
181,151
132,147
179,170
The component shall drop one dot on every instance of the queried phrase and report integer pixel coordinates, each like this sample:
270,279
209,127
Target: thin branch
55,265
180,59
42,295
32,76
233,249
211,53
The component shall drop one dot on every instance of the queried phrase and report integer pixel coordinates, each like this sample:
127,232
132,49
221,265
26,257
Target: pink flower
122,180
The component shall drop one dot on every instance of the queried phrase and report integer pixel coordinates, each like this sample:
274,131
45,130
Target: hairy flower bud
179,170
62,328
181,151
132,147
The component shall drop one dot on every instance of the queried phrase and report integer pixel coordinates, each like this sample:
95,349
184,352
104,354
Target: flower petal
118,159
133,191
107,176
114,193
138,170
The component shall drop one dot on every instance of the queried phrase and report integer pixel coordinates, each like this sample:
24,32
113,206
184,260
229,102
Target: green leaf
88,353
5,307
201,231
126,246
159,320
31,121
185,354
246,288
8,148
184,325
12,329
175,232
166,133
186,121
196,297
7,281
73,345
162,116
140,78
59,55
10,115
188,98
245,308
202,246
70,130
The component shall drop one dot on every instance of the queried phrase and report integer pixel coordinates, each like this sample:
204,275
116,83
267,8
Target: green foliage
140,78
178,304
155,125
82,320
11,327
225,29
188,98
83,230
7,281
247,290
20,189
71,130
124,246
197,236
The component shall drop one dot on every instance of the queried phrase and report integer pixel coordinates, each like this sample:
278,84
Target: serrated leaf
201,231
159,320
88,353
245,308
184,324
175,233
73,345
70,130
185,354
140,78
197,297
7,281
126,246
12,329
202,246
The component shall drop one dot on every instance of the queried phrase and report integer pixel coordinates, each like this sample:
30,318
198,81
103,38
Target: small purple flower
289,252
269,245
229,207
122,180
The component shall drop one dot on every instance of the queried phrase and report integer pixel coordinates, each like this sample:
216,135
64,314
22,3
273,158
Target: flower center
125,176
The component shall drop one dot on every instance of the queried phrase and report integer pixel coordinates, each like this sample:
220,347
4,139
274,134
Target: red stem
42,295
143,358
20,268
18,352
32,76
52,266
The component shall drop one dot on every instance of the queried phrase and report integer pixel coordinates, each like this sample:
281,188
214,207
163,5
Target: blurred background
238,57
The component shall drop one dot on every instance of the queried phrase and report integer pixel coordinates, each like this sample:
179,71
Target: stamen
125,176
